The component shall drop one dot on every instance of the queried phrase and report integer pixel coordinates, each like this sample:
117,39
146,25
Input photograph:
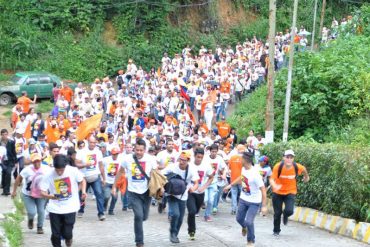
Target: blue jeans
235,192
224,108
124,199
192,100
209,198
218,110
247,211
107,196
140,204
218,194
177,208
33,206
99,196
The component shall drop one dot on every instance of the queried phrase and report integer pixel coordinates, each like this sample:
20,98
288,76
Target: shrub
339,177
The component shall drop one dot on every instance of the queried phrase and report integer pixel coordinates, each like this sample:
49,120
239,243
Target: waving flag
191,115
184,93
87,126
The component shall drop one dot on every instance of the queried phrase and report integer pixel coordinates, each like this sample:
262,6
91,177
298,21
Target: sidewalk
6,206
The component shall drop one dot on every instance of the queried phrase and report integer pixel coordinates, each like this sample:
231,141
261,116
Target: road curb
335,224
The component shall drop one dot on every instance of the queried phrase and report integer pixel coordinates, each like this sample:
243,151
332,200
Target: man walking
177,203
138,165
284,186
8,161
61,187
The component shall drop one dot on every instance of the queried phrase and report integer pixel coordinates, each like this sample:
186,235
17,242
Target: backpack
176,185
281,168
119,80
35,183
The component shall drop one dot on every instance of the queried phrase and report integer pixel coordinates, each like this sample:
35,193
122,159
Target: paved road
224,231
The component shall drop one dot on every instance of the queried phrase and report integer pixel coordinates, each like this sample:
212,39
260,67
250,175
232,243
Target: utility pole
314,27
290,73
269,132
322,16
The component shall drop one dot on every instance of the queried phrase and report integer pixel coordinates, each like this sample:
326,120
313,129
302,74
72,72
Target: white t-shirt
265,172
191,177
92,158
110,168
19,146
251,184
164,158
204,171
28,174
2,154
136,181
66,187
218,165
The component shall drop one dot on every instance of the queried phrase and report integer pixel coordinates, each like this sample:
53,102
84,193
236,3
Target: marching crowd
111,135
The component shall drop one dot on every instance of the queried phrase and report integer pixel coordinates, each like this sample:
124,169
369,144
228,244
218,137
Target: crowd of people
172,120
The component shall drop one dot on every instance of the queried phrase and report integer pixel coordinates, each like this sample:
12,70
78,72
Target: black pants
140,205
238,95
61,226
277,203
193,204
6,176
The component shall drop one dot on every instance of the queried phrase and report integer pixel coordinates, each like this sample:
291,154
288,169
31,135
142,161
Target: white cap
19,131
289,152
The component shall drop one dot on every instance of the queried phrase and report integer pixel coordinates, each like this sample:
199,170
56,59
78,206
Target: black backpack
119,80
176,185
281,168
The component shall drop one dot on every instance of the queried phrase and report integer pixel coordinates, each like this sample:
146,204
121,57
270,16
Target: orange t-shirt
287,179
25,103
223,129
67,92
225,87
235,166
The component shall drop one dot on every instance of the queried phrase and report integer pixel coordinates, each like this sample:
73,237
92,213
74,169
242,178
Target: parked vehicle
39,83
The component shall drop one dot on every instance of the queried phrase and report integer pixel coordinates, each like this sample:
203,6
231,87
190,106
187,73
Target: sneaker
233,212
214,211
68,242
79,215
40,230
110,213
285,220
124,209
197,215
244,231
275,234
160,208
30,224
250,244
139,245
101,217
207,219
192,236
174,239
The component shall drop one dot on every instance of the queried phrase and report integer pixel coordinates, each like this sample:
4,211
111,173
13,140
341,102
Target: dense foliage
66,37
339,177
330,90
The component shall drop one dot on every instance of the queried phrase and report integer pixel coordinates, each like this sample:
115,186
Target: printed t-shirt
218,165
164,158
136,181
251,184
204,170
287,179
91,158
110,168
65,187
191,177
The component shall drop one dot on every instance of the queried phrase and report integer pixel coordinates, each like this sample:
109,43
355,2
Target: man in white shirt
177,203
90,160
139,166
61,186
111,166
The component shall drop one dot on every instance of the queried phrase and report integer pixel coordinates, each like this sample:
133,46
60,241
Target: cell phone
58,196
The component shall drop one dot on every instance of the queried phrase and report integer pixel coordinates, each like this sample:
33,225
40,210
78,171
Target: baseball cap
115,151
263,158
289,152
185,155
19,131
35,156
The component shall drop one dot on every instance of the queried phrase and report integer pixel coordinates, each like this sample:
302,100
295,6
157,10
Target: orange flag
27,133
87,126
159,72
191,115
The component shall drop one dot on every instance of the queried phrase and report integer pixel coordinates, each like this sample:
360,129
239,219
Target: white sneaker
250,244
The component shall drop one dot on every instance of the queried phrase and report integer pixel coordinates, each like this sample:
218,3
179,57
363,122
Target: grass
12,225
44,106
